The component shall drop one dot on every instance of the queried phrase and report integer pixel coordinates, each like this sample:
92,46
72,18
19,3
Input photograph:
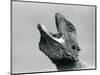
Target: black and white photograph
52,37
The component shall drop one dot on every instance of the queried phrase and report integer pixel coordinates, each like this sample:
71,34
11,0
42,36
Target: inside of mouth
44,28
60,40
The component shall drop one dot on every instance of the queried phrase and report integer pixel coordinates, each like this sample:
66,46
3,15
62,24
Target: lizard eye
73,47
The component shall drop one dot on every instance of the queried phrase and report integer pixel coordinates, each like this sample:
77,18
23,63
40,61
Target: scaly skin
61,48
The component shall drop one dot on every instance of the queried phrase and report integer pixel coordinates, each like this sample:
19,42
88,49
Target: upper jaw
62,24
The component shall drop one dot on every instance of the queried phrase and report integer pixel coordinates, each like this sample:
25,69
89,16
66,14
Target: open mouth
43,30
45,33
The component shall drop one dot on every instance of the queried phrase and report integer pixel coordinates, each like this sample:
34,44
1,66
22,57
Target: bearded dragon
61,48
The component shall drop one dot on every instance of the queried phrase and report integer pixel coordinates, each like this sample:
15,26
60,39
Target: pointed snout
63,24
58,15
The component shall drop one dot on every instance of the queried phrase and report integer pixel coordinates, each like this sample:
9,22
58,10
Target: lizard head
62,45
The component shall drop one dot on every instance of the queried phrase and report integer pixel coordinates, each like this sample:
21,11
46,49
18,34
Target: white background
5,36
26,55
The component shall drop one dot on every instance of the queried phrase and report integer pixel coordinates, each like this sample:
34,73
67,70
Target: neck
63,64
